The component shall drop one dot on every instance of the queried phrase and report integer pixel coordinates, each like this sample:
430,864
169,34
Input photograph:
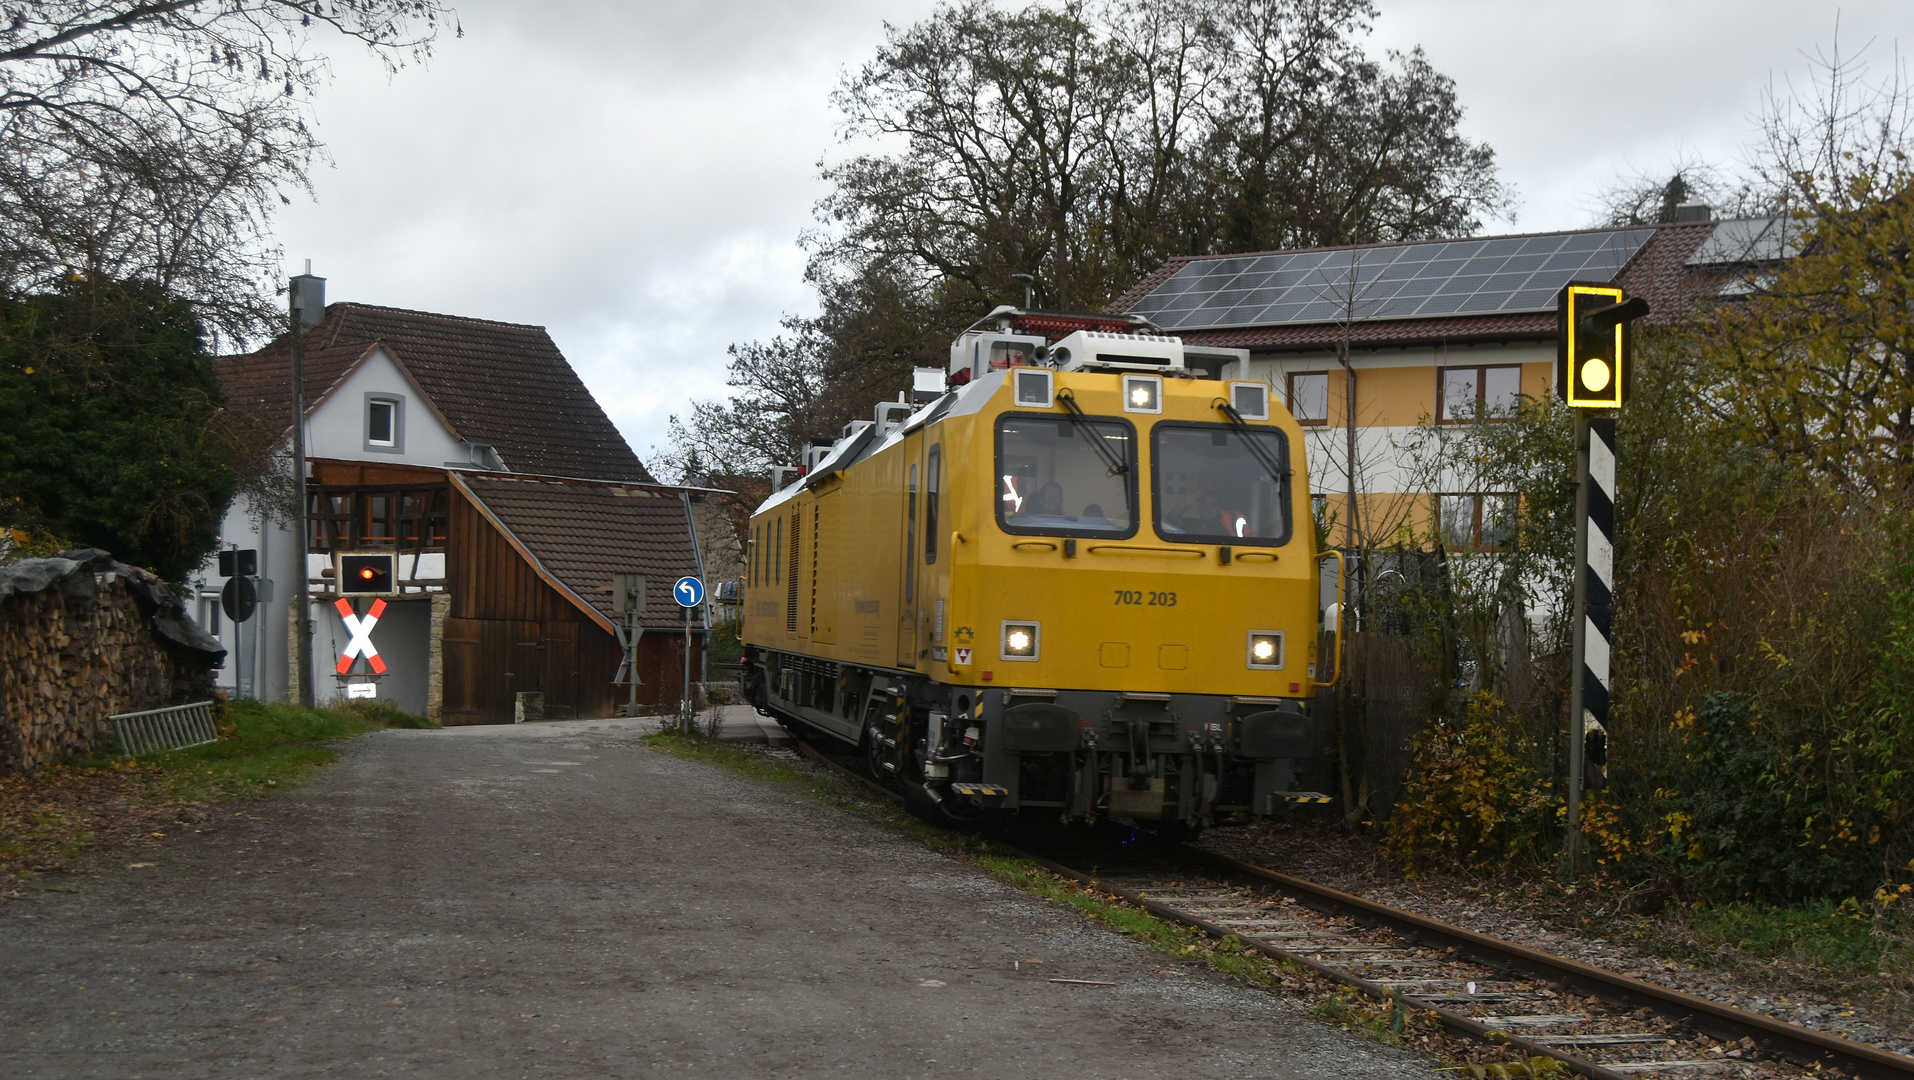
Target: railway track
1600,1024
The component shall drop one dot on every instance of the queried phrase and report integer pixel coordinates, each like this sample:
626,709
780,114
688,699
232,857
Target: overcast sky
634,175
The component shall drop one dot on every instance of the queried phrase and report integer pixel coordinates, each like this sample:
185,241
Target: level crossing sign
689,592
360,627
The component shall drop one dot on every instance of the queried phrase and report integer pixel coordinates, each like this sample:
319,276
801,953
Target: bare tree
152,139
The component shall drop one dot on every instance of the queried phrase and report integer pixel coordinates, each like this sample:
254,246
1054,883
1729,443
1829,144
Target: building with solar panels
1442,331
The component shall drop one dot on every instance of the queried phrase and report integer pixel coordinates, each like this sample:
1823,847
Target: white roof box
1131,352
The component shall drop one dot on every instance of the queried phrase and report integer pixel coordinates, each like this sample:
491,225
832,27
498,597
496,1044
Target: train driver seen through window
1053,479
1221,486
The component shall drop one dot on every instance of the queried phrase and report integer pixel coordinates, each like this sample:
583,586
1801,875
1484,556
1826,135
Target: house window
385,423
1309,397
1475,522
209,612
1470,393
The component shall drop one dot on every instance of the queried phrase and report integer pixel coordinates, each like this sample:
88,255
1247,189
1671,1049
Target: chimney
1693,211
308,299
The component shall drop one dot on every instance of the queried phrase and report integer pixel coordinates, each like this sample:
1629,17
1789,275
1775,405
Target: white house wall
337,427
1392,406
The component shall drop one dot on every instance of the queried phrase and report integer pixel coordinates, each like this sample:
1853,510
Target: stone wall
83,637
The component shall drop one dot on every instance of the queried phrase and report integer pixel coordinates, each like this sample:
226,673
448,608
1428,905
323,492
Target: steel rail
1467,1025
1804,1046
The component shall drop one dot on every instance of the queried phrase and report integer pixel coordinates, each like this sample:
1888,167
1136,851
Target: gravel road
559,900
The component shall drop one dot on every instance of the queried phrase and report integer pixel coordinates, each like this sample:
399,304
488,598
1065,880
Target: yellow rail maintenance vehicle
1080,581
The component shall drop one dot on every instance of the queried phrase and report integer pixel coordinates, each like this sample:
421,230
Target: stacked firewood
81,648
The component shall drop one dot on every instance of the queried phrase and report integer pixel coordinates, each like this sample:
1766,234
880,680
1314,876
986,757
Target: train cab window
1217,484
1057,476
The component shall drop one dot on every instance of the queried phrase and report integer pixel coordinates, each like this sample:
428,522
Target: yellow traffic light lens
1595,374
366,573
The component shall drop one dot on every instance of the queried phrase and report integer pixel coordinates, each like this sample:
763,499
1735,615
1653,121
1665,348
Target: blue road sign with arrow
689,592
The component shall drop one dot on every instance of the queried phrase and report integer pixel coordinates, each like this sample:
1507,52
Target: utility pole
302,589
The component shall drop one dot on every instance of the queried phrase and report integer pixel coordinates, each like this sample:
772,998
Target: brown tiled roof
499,383
1656,273
582,534
1380,332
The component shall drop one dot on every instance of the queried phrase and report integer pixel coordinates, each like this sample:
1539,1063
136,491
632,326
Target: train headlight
1142,393
1266,649
1021,640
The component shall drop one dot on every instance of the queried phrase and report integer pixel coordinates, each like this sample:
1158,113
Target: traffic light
1592,345
366,573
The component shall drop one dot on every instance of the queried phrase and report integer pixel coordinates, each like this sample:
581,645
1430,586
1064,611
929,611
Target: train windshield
1213,486
1054,481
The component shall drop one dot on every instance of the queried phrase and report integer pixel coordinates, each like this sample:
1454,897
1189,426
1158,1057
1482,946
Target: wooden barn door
561,668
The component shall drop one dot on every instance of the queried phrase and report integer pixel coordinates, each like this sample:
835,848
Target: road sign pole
689,593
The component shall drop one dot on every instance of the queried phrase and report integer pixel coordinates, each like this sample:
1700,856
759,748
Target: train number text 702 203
1145,599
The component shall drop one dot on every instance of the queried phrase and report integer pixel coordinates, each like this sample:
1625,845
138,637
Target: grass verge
1835,937
262,747
50,820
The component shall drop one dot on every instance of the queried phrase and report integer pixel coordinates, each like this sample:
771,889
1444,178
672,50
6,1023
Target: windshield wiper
1082,423
1256,447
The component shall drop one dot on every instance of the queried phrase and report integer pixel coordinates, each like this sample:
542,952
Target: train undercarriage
964,753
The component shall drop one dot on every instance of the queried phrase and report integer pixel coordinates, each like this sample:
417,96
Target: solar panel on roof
1440,277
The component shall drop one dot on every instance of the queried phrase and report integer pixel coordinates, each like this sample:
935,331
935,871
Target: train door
932,602
907,588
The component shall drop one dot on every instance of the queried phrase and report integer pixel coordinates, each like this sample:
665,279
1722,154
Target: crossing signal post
628,599
363,574
1592,373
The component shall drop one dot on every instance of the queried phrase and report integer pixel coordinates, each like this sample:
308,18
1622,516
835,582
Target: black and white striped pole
1592,373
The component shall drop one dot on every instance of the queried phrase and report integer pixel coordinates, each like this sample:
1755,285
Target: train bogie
1087,589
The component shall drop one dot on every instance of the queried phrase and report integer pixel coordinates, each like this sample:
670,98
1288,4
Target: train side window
910,537
931,469
776,546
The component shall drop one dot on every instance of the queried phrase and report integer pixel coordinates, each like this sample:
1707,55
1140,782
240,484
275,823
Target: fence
175,727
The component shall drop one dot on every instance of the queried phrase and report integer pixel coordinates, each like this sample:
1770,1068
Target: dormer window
385,423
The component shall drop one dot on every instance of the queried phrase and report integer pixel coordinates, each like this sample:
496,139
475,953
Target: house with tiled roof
471,452
1434,331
